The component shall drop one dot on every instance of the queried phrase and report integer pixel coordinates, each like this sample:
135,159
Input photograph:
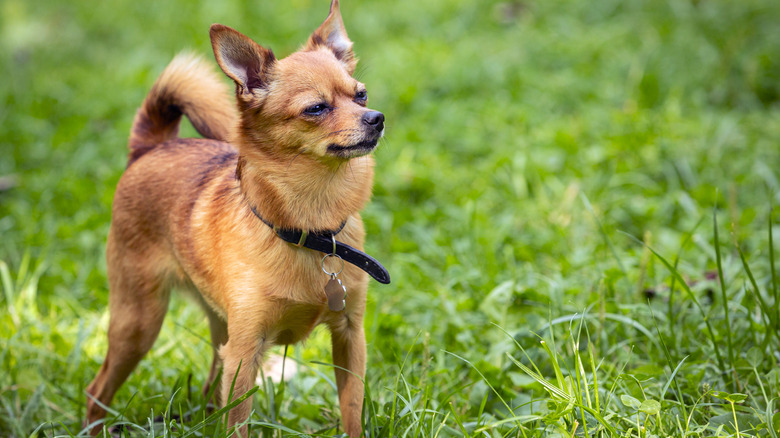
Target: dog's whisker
352,170
333,174
293,159
340,131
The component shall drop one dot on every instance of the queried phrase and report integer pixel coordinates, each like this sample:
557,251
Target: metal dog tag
336,293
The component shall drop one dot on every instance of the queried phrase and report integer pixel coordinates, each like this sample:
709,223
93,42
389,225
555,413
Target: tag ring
322,264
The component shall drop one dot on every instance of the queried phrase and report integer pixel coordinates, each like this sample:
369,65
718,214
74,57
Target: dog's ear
333,35
242,59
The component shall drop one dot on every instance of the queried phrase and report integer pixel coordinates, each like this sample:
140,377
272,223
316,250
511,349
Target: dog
247,218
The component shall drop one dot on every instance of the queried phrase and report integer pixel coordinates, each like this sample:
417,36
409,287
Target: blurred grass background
523,139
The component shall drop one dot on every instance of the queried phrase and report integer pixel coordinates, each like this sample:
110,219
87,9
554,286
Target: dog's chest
297,320
303,306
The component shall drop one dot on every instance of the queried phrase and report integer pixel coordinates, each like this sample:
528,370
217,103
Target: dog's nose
374,119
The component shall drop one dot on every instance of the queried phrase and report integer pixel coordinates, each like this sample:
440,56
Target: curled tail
187,86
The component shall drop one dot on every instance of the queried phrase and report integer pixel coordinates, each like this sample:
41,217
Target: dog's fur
182,211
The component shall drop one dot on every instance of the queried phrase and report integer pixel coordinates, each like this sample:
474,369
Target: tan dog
198,213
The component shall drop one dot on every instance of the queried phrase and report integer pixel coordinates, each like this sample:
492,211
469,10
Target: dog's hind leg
218,338
138,301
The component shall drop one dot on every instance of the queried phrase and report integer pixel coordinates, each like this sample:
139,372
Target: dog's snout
375,119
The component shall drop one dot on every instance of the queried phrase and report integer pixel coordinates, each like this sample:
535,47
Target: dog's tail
187,86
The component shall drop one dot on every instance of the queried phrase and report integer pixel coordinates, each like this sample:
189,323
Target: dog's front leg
349,353
241,357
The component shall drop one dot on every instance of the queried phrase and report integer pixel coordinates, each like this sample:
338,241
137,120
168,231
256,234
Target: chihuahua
256,219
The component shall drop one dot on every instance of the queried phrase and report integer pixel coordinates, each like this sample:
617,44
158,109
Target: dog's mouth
354,150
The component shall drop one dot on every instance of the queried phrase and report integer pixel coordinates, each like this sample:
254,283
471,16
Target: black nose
374,119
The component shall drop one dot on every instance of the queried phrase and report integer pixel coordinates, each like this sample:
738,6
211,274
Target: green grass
574,200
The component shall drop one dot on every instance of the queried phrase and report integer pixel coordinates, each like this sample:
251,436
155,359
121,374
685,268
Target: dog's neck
301,192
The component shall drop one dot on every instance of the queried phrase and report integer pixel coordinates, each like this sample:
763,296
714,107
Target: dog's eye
316,110
361,95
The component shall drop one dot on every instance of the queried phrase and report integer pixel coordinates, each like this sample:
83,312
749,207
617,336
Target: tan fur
181,214
157,120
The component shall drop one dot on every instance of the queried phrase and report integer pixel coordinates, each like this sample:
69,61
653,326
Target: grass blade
219,413
692,296
775,290
724,300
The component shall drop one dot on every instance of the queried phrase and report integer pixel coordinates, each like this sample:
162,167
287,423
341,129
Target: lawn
574,200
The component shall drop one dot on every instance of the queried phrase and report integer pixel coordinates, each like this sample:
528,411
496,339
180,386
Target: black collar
324,241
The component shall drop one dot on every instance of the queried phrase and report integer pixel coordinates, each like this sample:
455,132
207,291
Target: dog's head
305,103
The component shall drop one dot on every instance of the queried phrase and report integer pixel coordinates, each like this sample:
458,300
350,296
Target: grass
574,200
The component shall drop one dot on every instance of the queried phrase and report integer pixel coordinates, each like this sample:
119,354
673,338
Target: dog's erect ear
242,59
333,35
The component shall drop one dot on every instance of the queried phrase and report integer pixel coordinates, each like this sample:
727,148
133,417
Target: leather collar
325,242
